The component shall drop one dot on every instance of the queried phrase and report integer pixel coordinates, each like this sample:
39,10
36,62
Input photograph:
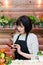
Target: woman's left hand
18,48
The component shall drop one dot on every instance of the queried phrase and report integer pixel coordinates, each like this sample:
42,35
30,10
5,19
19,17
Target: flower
41,17
5,57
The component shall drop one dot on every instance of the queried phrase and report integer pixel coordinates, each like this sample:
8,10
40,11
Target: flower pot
32,25
7,26
1,26
36,25
41,25
11,25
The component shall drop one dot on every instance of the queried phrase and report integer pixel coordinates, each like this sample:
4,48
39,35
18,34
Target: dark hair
25,20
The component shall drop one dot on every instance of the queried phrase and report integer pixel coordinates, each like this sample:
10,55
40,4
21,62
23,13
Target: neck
22,33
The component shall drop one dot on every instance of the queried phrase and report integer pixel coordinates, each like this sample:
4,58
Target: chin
21,33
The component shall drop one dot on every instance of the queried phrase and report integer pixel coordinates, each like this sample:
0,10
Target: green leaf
34,19
9,61
2,55
39,53
2,17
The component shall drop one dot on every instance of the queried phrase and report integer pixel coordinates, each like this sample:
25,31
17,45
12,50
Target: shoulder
32,40
32,36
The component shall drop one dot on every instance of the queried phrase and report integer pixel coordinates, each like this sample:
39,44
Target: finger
13,49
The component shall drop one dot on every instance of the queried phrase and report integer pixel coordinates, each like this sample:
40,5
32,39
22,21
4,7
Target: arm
12,42
28,56
35,45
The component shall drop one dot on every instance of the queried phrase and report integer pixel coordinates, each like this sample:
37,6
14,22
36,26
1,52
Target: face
21,29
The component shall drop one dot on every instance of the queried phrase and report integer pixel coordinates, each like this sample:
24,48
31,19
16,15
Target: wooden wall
17,8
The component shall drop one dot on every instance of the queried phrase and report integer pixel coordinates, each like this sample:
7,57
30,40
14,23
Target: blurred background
10,10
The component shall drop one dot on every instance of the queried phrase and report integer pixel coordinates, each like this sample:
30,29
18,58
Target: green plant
5,59
11,22
6,20
41,24
3,22
9,61
34,19
39,53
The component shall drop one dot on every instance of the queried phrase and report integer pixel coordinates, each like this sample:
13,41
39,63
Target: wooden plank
17,14
22,5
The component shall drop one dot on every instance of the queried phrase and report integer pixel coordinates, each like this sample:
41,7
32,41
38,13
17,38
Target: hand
10,45
18,48
13,50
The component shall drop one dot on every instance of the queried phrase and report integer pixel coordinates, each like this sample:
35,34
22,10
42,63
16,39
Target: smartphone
10,46
14,45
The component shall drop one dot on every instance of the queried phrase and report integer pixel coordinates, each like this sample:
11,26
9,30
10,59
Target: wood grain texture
13,4
17,14
21,7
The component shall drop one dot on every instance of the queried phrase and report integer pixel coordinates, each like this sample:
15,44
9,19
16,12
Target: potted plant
40,55
41,24
10,22
6,22
41,21
35,21
3,21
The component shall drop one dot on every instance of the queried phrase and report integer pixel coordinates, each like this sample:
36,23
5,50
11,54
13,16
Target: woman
25,42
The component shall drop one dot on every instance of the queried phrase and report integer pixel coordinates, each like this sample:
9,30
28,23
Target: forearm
28,56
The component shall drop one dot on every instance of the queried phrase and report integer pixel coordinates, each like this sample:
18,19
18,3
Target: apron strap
18,37
26,37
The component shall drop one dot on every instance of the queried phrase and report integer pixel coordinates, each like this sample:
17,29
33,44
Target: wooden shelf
12,30
38,29
7,30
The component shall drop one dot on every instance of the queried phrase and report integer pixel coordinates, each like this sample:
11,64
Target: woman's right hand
12,47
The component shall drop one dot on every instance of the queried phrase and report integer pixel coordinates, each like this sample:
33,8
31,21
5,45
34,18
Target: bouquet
5,58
